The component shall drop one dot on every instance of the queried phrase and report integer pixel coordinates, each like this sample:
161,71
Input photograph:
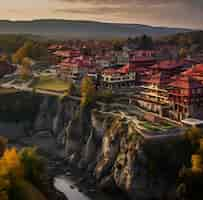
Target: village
157,81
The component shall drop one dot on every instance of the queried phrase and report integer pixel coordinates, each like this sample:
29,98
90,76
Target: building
122,77
121,58
186,98
103,61
74,69
186,94
67,53
152,94
142,61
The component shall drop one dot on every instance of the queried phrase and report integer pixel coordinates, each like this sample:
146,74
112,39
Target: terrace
50,84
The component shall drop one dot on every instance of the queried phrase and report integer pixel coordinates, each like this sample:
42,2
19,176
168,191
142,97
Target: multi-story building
186,98
74,69
121,58
186,94
152,94
67,53
119,77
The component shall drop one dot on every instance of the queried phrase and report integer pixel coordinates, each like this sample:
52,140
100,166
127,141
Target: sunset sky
175,13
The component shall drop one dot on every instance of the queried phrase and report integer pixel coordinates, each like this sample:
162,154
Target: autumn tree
88,91
11,171
71,89
20,172
10,164
22,52
4,58
193,136
183,52
191,177
33,164
117,45
25,69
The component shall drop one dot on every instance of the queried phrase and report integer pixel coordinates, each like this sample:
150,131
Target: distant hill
83,29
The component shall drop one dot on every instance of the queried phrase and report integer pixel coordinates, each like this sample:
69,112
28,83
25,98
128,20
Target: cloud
139,2
185,13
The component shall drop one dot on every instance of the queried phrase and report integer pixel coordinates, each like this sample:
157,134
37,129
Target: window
199,91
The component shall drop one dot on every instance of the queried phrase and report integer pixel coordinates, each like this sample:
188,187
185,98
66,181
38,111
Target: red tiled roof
67,53
195,70
142,59
160,78
141,69
77,62
168,65
186,82
122,70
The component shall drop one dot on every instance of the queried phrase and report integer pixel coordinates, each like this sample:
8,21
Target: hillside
83,29
186,39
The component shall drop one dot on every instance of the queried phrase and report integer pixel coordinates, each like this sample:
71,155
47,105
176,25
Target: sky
172,13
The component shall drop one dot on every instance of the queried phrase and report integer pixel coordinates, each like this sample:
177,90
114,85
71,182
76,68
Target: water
64,185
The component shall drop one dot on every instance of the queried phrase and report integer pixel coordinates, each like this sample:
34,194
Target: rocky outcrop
110,148
54,114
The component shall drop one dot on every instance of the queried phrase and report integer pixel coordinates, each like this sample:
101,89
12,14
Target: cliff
112,149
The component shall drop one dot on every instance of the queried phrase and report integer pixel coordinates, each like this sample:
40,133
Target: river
65,185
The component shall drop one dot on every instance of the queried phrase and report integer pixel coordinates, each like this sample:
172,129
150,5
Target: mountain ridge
61,28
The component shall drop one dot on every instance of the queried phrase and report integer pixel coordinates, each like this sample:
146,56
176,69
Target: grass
168,125
150,126
51,84
157,126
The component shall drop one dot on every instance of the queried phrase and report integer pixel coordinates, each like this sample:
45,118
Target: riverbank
71,182
77,184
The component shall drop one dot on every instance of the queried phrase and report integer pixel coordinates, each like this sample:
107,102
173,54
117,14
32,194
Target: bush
88,91
17,170
33,164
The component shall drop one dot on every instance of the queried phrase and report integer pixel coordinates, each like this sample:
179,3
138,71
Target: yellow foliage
88,91
22,52
183,52
197,163
4,58
17,169
10,164
25,69
87,86
194,135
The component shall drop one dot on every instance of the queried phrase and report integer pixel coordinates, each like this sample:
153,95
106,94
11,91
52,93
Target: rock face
110,149
54,114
